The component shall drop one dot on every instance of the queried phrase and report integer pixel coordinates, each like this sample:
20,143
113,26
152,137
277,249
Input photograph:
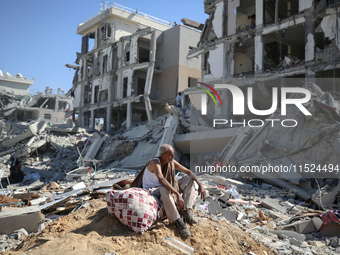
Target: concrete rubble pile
286,63
271,215
314,140
64,169
9,101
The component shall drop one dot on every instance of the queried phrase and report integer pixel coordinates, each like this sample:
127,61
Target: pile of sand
94,231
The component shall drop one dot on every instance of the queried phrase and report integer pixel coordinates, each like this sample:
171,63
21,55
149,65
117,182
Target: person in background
215,163
179,100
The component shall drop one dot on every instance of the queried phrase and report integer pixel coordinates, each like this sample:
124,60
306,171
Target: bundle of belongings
134,207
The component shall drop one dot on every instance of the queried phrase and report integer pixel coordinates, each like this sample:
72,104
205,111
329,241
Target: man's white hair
164,149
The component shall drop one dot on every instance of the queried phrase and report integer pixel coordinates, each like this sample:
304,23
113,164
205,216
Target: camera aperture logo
215,92
239,104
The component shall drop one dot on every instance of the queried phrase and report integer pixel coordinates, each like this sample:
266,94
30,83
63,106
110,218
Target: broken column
149,75
309,46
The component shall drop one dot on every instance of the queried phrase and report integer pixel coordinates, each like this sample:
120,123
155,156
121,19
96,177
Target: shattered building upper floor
263,43
53,109
130,64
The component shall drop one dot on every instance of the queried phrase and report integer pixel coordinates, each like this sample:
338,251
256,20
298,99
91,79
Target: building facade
130,64
18,84
269,43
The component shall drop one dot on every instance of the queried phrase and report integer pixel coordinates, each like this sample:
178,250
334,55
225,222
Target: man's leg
168,202
170,209
187,187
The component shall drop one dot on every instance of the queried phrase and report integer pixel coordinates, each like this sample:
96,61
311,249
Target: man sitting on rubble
159,178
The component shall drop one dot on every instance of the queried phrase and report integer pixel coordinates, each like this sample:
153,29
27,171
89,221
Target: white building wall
218,20
216,61
122,28
77,96
14,88
188,38
17,84
305,4
232,5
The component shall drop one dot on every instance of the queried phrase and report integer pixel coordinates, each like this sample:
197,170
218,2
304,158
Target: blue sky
38,37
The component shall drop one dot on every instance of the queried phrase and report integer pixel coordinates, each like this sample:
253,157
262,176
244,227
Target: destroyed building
52,108
17,104
277,213
264,43
130,64
18,84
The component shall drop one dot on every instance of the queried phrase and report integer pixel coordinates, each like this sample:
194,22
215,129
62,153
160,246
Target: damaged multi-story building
130,64
264,43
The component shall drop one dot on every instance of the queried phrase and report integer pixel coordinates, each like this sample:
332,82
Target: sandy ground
94,231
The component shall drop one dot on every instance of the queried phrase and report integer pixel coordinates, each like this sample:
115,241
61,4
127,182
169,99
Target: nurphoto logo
239,103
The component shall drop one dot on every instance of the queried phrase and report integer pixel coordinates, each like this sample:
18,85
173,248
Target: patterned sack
134,207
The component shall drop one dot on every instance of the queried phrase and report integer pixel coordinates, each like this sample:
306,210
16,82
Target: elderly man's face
169,156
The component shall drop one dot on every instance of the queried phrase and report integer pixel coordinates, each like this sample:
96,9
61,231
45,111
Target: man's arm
156,169
201,189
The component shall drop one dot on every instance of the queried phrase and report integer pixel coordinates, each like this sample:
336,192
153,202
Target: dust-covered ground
94,231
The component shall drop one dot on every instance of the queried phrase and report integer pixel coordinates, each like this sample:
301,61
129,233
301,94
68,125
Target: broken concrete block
95,146
272,204
28,218
334,241
214,191
227,196
297,236
295,242
214,208
302,226
229,215
192,23
240,215
317,223
38,201
79,185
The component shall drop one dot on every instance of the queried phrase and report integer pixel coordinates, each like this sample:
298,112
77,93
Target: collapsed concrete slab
192,23
214,208
302,226
297,236
206,141
317,223
272,204
170,129
32,130
229,215
95,146
28,218
67,127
